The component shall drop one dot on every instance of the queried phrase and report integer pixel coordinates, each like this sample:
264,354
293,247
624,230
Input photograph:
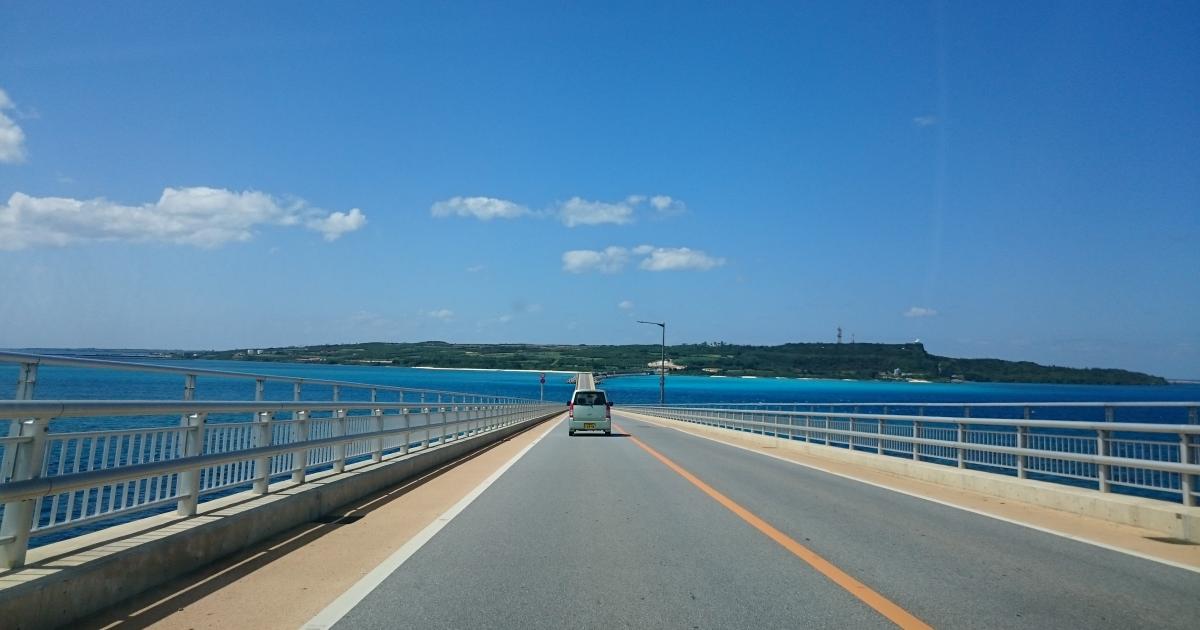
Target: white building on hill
670,365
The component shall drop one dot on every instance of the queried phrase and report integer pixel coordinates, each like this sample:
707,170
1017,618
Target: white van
590,410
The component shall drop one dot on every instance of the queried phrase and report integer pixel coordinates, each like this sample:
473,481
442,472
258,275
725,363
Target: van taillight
571,410
607,412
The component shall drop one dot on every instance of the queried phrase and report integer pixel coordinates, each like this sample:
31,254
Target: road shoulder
285,581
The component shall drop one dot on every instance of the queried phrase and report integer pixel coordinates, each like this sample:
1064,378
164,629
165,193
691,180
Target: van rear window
590,398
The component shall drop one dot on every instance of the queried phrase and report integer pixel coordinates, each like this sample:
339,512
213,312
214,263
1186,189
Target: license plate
589,426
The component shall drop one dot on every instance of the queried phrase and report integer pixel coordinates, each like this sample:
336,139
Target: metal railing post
962,440
1186,481
26,384
189,387
262,437
376,425
19,515
1102,469
26,381
880,425
916,447
1022,442
300,456
189,480
339,449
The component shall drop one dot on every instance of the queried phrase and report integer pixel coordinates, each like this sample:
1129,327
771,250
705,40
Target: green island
860,361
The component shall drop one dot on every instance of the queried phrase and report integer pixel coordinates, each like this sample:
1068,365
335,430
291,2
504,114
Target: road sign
543,377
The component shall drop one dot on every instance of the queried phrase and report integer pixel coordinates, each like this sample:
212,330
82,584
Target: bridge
598,377
364,506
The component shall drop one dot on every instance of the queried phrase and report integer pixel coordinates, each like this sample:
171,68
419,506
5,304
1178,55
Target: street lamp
662,365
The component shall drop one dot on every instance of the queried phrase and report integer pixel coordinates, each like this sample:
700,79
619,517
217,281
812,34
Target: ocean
65,383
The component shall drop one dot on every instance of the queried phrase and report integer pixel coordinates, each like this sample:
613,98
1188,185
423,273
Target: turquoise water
80,383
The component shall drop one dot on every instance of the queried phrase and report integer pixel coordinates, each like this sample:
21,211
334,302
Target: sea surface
66,383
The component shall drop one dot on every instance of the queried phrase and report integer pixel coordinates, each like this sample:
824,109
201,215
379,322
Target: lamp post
662,365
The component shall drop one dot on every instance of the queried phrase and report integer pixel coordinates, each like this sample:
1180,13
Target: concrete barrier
1169,519
69,580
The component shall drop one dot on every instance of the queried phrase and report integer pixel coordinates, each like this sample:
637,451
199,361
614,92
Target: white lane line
916,495
355,594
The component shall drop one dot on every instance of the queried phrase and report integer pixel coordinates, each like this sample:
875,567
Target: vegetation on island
813,360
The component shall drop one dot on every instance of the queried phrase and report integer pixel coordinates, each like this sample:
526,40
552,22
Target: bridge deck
598,532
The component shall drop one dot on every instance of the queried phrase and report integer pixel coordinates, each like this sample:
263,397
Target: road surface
654,527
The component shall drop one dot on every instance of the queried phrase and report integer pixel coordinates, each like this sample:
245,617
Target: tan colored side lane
283,582
864,593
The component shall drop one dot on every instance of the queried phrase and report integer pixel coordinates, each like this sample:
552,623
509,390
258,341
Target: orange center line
879,603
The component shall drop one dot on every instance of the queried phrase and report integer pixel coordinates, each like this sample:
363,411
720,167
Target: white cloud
504,319
573,212
925,121
12,138
482,208
625,305
576,211
443,314
197,216
336,224
920,311
476,268
614,259
666,205
679,259
610,260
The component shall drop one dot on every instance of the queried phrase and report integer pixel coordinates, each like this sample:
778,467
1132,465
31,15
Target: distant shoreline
463,369
849,362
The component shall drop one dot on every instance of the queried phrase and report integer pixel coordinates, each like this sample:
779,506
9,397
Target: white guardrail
62,479
1159,460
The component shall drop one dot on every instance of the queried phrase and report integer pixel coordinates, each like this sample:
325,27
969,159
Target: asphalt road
595,532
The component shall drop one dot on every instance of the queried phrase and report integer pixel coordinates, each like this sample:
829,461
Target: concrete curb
1169,519
66,581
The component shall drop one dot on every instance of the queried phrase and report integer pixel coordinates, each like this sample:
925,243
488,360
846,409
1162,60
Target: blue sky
1019,180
